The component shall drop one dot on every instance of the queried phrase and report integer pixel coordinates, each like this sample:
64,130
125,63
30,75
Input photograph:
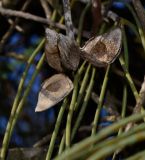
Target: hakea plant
62,53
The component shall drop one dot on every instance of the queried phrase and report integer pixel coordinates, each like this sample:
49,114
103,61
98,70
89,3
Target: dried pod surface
52,51
104,49
54,89
69,52
61,52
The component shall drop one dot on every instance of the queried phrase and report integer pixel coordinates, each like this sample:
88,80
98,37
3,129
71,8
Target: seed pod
104,49
52,51
69,52
61,52
54,89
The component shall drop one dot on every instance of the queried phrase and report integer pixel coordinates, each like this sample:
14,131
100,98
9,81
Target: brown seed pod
69,52
61,52
52,51
104,49
54,89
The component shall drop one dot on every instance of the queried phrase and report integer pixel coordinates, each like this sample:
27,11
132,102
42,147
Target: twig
112,15
85,129
109,104
43,141
68,19
141,99
132,86
140,12
116,18
28,16
96,14
12,27
107,8
46,8
19,57
17,27
121,74
137,109
139,26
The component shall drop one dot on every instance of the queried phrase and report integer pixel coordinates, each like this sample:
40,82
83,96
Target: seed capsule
62,53
54,89
104,49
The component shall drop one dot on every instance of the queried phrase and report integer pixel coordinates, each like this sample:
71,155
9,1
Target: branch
28,16
43,141
139,104
96,14
17,27
140,12
19,57
141,99
46,8
68,19
12,27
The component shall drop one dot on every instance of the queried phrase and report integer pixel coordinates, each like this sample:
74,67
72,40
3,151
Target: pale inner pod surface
104,49
54,89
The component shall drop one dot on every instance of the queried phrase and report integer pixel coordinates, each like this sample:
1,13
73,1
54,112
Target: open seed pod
104,49
54,89
61,52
